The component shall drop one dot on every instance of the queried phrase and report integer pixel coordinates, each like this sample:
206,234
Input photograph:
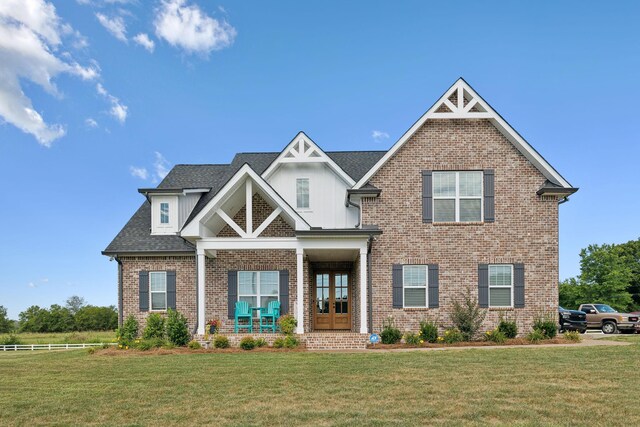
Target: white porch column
299,291
363,291
201,293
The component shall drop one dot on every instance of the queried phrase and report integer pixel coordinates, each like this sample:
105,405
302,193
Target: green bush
247,343
291,342
508,328
261,342
177,328
11,339
536,336
143,345
194,345
390,334
429,331
155,327
452,336
468,317
413,338
221,341
572,336
497,336
278,343
548,325
129,330
287,324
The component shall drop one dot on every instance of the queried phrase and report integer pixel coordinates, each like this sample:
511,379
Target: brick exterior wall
525,228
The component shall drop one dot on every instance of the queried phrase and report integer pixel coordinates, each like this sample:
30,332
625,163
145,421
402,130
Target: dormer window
302,193
164,213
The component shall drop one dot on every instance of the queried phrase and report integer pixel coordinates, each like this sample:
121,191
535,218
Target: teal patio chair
243,312
269,316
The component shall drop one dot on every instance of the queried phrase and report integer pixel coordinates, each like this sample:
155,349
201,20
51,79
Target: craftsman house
460,203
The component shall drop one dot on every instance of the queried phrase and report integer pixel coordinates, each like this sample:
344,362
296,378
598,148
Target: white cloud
143,40
379,135
189,28
161,166
90,123
31,285
31,38
115,26
118,109
141,173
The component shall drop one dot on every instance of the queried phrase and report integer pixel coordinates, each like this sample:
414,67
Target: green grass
64,337
624,338
529,386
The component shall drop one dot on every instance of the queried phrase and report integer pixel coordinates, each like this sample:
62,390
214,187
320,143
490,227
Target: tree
6,324
75,303
60,319
92,318
630,251
34,319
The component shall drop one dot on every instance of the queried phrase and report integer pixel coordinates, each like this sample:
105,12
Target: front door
332,300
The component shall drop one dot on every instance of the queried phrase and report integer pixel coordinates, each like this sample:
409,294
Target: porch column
299,291
363,291
201,293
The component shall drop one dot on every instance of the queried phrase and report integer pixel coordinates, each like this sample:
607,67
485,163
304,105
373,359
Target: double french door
331,300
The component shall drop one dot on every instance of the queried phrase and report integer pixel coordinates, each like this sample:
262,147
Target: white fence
32,347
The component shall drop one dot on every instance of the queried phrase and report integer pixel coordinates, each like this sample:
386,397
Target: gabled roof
470,106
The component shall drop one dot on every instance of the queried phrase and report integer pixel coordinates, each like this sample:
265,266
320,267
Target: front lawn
63,337
474,386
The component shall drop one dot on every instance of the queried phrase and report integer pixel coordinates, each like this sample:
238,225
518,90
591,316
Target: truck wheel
609,327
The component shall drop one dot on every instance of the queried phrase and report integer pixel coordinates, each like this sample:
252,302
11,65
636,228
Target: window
414,284
158,290
164,213
457,196
302,193
500,286
258,288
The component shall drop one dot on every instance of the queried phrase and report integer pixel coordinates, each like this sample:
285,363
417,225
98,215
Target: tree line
609,274
75,315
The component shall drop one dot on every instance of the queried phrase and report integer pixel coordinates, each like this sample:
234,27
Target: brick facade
525,228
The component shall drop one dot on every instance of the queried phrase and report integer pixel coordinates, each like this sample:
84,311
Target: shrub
429,331
247,343
11,339
91,350
194,345
413,338
155,327
572,336
278,343
261,342
143,345
508,328
390,334
291,342
221,341
287,324
452,336
468,317
536,336
177,329
547,325
129,330
496,336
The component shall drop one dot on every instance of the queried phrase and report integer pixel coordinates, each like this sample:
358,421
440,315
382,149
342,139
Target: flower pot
212,329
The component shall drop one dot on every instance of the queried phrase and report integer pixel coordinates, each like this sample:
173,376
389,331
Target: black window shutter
434,286
143,287
396,277
232,293
284,291
427,197
518,285
483,285
489,196
171,290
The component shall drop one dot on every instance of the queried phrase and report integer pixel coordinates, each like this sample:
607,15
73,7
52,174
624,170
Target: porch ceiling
325,255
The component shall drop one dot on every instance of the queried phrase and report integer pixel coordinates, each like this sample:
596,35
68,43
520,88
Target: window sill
501,309
416,308
438,224
304,210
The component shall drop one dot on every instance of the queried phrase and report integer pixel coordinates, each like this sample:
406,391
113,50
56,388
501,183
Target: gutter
355,205
120,293
372,192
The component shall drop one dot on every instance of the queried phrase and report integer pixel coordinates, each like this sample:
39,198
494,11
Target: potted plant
213,325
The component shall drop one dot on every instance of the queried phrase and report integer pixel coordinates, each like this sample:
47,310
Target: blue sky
101,97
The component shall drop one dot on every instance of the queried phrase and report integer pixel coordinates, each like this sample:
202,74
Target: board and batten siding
186,205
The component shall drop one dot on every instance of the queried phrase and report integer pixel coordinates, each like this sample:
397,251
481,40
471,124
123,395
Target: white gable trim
302,149
461,111
192,229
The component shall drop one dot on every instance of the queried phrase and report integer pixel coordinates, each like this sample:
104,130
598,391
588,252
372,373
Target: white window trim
426,285
499,286
308,208
157,292
258,286
457,196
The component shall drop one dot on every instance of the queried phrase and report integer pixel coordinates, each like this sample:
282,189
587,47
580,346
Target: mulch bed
112,351
514,341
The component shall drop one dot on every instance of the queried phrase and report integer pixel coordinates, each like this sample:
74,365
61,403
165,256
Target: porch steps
311,340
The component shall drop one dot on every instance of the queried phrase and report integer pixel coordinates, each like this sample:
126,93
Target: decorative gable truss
459,103
237,193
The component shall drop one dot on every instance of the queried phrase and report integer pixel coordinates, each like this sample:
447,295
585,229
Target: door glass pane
444,210
470,210
322,293
500,297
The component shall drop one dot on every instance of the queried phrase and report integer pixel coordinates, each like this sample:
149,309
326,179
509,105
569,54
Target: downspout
370,284
355,205
120,295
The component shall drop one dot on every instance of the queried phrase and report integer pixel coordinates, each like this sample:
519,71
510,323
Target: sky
101,97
